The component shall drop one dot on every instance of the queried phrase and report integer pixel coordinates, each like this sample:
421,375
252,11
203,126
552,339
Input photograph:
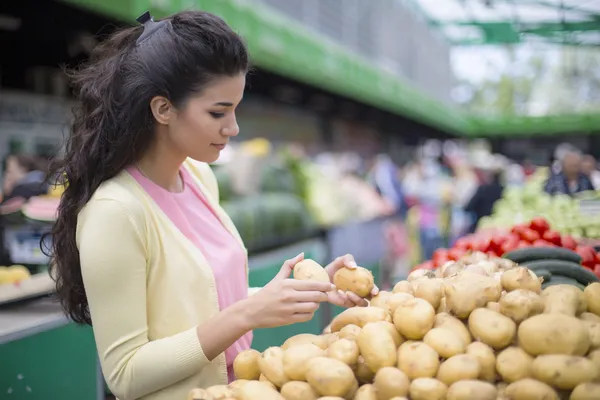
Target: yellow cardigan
148,288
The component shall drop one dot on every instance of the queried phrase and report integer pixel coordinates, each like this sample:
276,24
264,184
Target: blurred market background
389,129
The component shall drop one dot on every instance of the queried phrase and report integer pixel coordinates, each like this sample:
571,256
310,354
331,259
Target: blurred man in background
589,168
570,179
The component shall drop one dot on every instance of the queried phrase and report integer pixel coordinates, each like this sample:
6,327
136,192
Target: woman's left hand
345,299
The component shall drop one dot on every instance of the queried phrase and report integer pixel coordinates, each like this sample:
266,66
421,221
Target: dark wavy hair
113,125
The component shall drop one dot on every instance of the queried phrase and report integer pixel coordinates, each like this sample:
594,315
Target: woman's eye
217,115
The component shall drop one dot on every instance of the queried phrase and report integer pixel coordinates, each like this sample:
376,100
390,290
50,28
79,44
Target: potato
513,364
330,398
418,360
362,372
520,304
396,299
592,297
329,338
501,388
377,347
442,308
564,299
563,371
403,287
263,379
486,358
468,291
366,392
528,388
295,390
588,316
349,332
493,305
445,342
380,299
309,270
472,389
492,328
586,391
594,332
414,318
431,290
458,368
271,366
449,269
345,350
295,360
390,382
245,365
391,328
520,278
359,316
553,334
427,389
304,338
358,280
199,394
257,390
447,321
420,273
219,392
594,356
330,377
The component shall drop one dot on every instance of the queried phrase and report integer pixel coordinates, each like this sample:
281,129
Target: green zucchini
562,280
566,269
542,253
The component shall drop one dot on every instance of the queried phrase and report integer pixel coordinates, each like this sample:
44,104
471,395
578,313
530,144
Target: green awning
286,47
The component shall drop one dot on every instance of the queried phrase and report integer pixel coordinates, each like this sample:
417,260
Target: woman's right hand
285,301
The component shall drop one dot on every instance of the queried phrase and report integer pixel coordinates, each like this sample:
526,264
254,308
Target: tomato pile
536,233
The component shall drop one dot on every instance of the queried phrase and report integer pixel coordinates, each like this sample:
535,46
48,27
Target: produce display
14,274
546,248
478,328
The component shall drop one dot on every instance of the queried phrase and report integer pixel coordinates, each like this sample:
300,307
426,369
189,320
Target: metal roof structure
509,22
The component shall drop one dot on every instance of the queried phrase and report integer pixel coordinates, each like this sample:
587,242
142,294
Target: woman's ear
162,109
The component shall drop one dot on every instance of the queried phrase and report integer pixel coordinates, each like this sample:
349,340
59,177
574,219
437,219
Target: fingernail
352,264
333,288
341,292
300,255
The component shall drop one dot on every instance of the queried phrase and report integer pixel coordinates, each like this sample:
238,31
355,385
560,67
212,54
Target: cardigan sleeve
113,264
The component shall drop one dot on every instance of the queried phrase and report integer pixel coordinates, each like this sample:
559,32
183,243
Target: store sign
30,108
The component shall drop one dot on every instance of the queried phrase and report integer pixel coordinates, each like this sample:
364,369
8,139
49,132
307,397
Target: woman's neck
162,167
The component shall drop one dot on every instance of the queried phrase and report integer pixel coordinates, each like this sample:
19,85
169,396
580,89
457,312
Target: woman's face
203,126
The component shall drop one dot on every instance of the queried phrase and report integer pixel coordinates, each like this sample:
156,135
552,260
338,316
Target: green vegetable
527,254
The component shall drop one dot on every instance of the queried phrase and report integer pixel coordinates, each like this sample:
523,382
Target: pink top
196,219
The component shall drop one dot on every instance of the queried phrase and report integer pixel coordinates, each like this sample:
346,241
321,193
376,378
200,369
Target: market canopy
507,22
290,49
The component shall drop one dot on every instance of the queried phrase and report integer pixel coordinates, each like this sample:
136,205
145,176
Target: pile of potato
477,329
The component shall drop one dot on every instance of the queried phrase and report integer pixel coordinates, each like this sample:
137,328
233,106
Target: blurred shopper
385,177
589,167
482,202
24,177
570,179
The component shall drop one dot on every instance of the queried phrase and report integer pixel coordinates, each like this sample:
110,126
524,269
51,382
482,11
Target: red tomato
597,270
463,243
509,245
523,244
455,254
540,225
529,235
440,257
518,228
568,242
542,243
498,241
424,265
552,237
482,245
598,258
588,255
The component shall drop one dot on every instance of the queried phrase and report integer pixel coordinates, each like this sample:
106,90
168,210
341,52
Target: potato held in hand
309,270
358,280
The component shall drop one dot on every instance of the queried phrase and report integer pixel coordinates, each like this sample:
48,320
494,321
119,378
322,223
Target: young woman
141,249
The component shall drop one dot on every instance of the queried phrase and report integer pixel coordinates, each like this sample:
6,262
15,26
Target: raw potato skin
594,332
427,389
295,360
377,347
359,316
520,278
358,280
563,299
304,338
471,390
414,318
245,365
562,371
521,304
362,372
349,332
486,358
295,390
366,392
526,389
390,382
467,291
403,287
262,379
431,290
586,391
271,366
513,364
445,342
396,299
493,305
594,356
330,377
553,334
418,360
380,299
309,270
447,321
344,350
257,390
388,326
588,316
220,391
592,297
199,394
458,368
492,328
